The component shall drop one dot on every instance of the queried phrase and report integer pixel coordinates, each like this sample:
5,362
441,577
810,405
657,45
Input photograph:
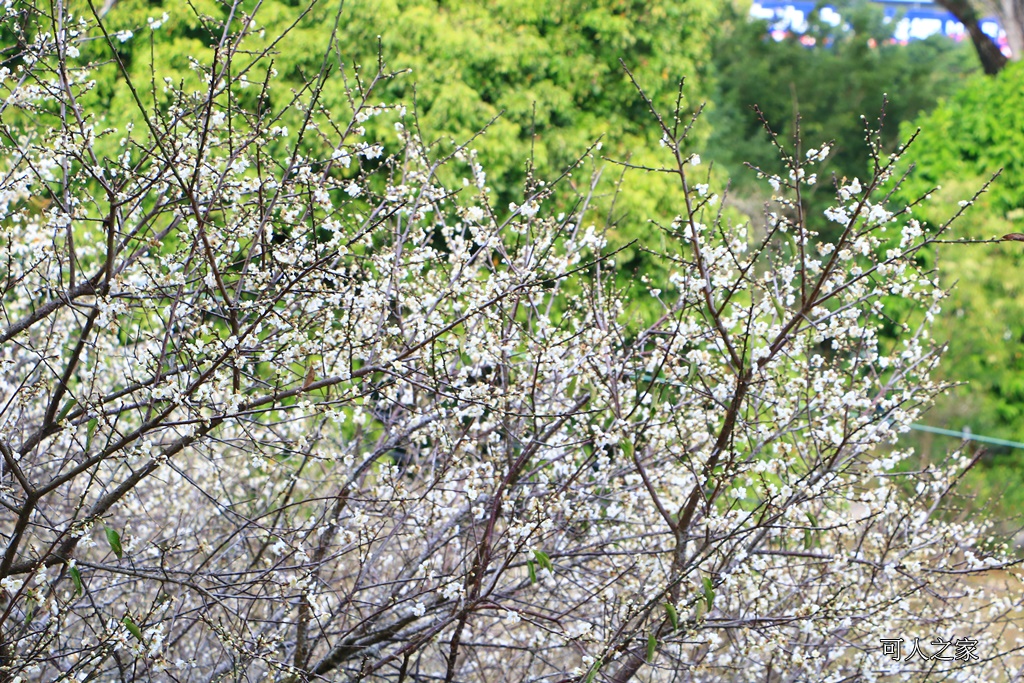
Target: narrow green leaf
76,578
543,560
652,645
812,538
673,616
709,593
65,410
114,539
132,628
532,570
627,448
90,431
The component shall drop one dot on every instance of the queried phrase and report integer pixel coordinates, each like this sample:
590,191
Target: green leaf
90,431
652,645
114,539
812,538
66,409
543,560
76,578
627,448
593,672
533,571
673,616
709,593
132,628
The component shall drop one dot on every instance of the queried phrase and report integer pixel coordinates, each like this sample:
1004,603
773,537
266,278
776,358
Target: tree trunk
1011,16
992,58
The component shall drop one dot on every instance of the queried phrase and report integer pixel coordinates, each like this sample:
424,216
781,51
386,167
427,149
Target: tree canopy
836,78
977,133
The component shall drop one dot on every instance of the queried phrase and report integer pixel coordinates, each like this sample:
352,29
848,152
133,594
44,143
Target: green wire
967,436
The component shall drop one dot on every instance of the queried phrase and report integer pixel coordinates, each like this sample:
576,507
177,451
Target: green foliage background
977,132
844,76
546,74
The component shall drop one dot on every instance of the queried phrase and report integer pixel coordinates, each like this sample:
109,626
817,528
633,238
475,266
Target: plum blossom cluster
287,397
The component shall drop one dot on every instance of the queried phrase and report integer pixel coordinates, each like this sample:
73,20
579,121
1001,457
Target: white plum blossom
156,24
342,156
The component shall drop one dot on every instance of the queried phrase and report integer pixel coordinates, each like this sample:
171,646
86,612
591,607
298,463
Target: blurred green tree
963,142
546,74
832,75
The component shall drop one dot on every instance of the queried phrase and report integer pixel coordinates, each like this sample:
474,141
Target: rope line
966,435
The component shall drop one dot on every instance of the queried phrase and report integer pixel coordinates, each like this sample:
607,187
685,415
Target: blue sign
911,19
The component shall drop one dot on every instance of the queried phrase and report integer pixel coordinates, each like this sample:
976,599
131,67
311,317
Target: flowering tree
299,403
